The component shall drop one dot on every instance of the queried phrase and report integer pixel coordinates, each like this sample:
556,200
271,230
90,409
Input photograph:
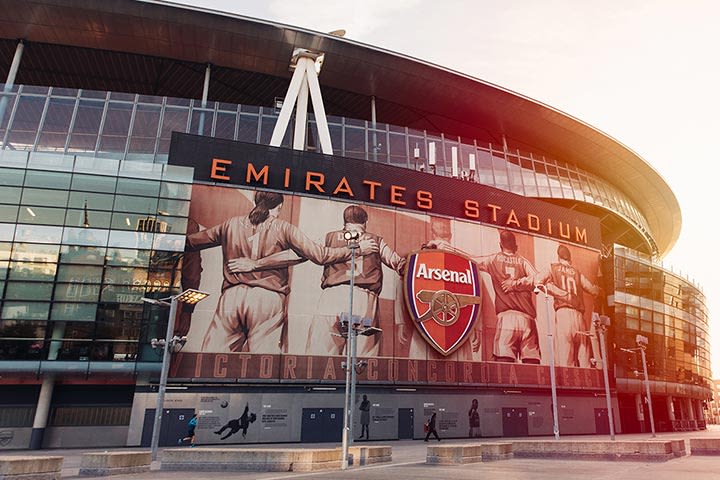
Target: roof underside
160,49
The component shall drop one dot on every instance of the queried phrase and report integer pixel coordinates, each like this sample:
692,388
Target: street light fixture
642,343
353,326
601,322
171,344
553,385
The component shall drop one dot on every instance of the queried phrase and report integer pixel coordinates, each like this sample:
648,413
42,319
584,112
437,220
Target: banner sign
261,166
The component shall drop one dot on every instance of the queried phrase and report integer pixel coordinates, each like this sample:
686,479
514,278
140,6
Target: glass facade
668,310
138,127
82,241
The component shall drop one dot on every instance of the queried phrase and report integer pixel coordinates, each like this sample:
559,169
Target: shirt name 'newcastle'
445,275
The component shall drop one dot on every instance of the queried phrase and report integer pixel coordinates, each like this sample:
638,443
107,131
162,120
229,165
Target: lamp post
553,385
351,237
170,345
601,322
642,343
352,328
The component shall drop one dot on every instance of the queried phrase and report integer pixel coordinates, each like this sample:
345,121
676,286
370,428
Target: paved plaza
409,464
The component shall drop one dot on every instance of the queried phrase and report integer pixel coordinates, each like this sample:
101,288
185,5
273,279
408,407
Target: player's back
368,268
503,266
567,277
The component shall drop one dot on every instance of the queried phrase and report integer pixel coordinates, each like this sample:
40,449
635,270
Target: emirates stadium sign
443,295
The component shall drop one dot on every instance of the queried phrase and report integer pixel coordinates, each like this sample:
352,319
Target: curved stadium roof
158,48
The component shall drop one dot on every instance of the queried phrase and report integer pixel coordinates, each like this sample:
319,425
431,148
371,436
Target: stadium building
149,147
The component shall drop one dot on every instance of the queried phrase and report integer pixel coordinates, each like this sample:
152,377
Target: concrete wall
279,415
71,437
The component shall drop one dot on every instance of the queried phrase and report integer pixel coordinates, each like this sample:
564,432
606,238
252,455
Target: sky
645,72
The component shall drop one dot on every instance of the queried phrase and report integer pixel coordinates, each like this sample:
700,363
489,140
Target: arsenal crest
442,291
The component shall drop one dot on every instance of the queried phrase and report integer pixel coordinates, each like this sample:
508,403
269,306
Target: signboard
278,269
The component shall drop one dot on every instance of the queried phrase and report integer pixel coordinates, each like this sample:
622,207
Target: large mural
458,300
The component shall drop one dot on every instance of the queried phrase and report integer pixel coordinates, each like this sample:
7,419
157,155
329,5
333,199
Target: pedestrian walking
191,432
431,428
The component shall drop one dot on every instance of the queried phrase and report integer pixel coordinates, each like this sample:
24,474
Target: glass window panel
174,120
34,196
225,125
93,218
7,231
118,329
5,251
126,276
142,205
120,256
140,240
96,201
8,213
28,291
248,128
38,234
11,176
93,183
82,255
135,186
134,222
30,252
161,280
22,329
173,243
85,236
77,292
25,123
25,311
64,92
355,144
42,215
97,166
145,129
8,111
515,177
74,311
43,179
50,162
177,191
79,274
4,267
177,173
14,159
173,224
398,151
10,194
115,130
87,123
128,97
56,124
267,125
500,171
173,207
122,294
201,123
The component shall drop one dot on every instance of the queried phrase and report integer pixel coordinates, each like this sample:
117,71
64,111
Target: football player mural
442,290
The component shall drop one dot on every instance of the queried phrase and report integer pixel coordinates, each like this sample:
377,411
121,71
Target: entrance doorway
515,422
174,426
601,421
321,425
406,423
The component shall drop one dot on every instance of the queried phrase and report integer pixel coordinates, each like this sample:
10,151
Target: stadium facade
140,156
